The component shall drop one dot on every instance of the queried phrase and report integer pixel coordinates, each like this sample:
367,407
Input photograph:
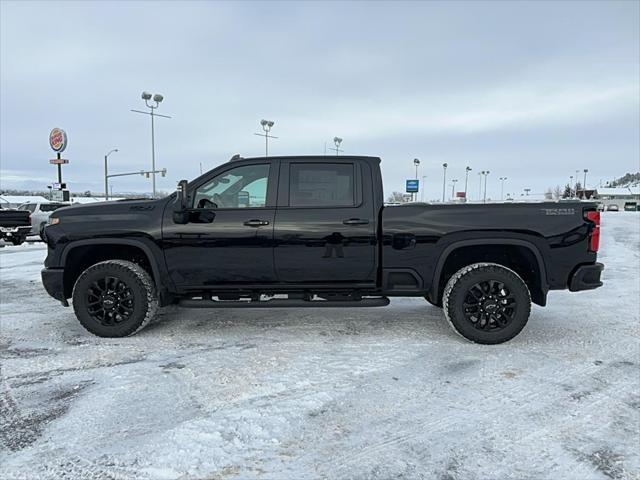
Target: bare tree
396,197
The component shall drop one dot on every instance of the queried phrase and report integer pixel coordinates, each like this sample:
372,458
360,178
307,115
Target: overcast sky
530,91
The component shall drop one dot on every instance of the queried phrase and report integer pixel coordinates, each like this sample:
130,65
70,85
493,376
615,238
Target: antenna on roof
236,157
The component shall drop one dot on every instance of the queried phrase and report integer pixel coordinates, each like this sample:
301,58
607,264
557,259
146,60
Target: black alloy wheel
114,298
487,303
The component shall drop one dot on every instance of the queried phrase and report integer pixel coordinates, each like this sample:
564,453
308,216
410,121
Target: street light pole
480,175
453,187
416,163
106,174
485,186
444,180
157,99
466,181
266,126
584,184
570,186
337,141
422,190
502,179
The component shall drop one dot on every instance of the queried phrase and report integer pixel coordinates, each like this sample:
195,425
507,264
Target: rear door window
321,185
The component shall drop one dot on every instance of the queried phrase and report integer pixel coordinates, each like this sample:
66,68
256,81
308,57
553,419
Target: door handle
355,221
256,223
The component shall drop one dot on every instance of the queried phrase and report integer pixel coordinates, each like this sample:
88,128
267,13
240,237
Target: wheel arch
477,250
80,254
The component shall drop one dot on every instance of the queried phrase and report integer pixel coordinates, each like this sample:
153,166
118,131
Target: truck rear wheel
487,303
115,298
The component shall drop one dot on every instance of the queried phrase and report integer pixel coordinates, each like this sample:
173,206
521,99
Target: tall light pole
337,141
502,179
106,174
486,174
266,127
480,175
584,184
444,180
453,187
577,172
416,163
526,191
466,181
570,186
157,99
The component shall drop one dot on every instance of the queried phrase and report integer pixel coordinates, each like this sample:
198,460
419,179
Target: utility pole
444,180
157,99
106,174
466,181
266,126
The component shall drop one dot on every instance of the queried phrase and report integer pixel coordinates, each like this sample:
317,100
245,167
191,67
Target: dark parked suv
313,232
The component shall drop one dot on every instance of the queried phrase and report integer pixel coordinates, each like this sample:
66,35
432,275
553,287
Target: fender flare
435,281
146,249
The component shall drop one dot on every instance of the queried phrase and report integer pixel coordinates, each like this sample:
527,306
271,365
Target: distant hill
626,180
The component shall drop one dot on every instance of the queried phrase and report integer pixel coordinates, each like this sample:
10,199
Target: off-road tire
137,281
41,231
456,294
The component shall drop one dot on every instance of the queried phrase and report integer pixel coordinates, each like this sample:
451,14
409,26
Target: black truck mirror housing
182,194
181,213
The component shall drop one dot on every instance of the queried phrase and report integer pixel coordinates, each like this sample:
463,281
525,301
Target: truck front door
229,237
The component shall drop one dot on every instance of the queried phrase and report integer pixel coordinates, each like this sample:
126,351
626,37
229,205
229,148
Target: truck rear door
325,226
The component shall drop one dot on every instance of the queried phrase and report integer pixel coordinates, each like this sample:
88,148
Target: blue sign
413,186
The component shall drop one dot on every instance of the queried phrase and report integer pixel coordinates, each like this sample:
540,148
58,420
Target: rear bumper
53,281
586,277
15,231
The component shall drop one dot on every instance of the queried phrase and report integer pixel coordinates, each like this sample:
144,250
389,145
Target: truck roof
321,158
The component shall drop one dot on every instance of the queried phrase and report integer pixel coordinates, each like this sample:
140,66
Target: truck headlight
54,220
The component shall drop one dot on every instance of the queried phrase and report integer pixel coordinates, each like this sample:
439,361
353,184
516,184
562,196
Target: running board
283,303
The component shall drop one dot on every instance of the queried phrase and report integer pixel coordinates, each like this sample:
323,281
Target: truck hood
105,209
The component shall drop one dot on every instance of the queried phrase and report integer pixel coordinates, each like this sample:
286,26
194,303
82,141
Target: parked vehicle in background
602,207
15,225
313,232
613,208
630,206
40,213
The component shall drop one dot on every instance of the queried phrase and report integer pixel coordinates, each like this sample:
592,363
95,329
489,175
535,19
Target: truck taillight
594,238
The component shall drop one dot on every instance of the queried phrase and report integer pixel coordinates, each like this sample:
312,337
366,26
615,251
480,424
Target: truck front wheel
487,303
114,298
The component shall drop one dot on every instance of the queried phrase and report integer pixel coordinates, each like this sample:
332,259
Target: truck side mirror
181,213
182,194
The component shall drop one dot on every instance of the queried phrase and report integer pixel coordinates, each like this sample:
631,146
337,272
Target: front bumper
53,281
586,277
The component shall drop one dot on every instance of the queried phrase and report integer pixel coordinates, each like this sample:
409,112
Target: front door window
240,187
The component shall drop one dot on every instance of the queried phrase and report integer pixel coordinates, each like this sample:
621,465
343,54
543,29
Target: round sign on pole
58,140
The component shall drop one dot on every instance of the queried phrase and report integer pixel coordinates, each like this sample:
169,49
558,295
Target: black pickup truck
313,232
15,225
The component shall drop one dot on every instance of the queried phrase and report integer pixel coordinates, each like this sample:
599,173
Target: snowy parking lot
322,393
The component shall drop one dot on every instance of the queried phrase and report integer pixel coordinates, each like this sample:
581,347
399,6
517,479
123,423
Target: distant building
620,196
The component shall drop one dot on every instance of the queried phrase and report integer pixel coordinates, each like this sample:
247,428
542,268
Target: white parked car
40,213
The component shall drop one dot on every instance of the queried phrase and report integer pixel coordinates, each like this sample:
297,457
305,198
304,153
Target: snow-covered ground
354,393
